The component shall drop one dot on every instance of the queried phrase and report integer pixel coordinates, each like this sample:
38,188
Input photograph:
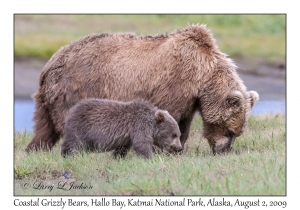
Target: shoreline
269,80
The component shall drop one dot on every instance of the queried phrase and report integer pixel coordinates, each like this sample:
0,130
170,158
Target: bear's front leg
184,126
144,150
142,145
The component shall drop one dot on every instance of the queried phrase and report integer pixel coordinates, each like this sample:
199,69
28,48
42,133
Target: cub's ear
254,97
159,117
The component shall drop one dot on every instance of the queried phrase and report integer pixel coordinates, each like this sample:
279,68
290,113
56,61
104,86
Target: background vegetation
237,35
256,167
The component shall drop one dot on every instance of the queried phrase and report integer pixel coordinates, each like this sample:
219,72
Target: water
23,114
272,106
24,110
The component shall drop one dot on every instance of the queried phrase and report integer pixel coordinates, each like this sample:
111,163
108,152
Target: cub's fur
105,125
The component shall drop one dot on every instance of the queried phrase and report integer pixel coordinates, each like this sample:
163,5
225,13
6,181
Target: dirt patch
269,80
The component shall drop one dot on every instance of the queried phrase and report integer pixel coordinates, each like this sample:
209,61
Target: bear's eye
174,135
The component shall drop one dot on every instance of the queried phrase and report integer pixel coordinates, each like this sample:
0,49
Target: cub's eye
229,134
174,135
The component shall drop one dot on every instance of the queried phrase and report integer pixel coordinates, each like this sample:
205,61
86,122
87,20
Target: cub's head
228,120
167,134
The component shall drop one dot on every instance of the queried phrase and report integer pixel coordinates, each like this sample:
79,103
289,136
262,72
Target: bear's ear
219,111
234,99
233,103
159,117
254,97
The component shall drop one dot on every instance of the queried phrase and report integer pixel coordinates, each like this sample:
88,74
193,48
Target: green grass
257,166
237,35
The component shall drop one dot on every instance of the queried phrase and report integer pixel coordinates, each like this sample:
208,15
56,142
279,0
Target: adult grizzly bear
181,72
105,125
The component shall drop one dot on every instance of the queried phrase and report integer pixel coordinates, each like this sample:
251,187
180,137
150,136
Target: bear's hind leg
71,145
45,136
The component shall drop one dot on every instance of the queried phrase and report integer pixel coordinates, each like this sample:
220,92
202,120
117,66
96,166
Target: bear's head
167,133
221,97
226,121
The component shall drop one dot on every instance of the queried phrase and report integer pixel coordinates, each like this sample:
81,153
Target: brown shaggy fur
181,72
105,125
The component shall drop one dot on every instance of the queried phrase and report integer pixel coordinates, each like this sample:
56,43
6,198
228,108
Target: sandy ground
268,80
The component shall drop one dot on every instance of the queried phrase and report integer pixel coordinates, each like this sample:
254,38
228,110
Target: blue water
276,106
23,114
24,110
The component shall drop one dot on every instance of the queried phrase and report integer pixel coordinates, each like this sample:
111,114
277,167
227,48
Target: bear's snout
176,149
221,148
179,149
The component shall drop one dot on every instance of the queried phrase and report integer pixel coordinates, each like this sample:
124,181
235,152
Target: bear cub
104,125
